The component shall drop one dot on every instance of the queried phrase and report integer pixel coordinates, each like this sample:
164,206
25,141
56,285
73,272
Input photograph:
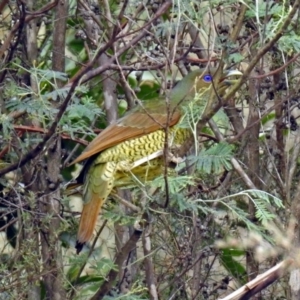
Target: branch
260,282
213,108
119,259
91,74
273,72
263,51
3,4
79,78
76,281
15,28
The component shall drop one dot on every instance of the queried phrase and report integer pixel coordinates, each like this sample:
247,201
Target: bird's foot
176,160
124,166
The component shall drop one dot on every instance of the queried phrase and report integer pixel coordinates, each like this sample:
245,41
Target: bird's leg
170,157
176,160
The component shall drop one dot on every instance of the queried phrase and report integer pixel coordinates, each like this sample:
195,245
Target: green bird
131,149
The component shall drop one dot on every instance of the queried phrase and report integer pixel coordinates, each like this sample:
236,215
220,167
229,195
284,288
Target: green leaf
7,125
215,159
149,89
236,58
235,269
175,184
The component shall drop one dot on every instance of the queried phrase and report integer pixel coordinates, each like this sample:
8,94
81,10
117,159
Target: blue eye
207,78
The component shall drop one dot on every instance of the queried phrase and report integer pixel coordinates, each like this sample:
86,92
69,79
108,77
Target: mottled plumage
140,133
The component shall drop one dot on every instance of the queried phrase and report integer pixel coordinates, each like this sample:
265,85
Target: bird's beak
229,73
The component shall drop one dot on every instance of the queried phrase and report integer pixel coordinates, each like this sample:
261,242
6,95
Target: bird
131,149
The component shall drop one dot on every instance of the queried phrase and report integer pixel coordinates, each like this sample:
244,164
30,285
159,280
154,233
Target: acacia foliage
68,69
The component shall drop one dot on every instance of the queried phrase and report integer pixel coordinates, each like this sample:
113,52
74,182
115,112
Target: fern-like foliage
36,103
262,201
78,116
175,184
214,159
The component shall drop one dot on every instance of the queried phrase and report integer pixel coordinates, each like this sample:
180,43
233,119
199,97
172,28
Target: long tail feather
97,186
88,221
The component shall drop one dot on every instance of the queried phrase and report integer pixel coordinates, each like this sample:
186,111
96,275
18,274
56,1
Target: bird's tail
98,185
88,221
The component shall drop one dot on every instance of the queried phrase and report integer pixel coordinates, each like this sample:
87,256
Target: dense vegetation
70,68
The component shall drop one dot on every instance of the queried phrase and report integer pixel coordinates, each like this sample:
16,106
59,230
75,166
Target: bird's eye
207,78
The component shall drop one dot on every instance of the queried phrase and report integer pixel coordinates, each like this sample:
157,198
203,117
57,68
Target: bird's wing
152,116
132,125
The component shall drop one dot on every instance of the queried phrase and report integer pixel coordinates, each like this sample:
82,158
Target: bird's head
201,80
204,79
